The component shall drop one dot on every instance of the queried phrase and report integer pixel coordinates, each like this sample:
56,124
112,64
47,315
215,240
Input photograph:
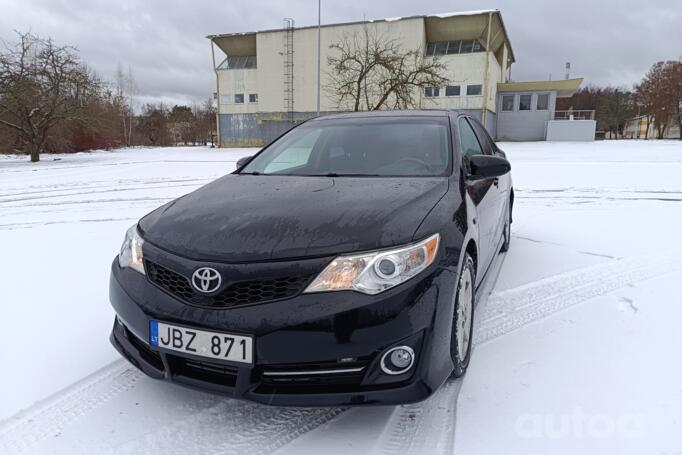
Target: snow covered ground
577,345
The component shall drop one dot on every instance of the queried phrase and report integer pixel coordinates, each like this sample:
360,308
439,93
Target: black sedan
337,266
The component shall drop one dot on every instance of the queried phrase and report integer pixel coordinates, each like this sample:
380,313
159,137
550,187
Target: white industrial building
267,80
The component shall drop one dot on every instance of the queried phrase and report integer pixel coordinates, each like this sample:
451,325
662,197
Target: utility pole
319,45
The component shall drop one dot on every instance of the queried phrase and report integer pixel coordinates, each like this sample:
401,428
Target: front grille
214,373
238,293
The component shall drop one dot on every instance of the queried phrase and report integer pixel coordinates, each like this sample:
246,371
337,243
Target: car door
481,191
499,190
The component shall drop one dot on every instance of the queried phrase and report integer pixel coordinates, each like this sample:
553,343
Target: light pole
319,44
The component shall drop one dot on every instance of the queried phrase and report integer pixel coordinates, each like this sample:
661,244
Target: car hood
244,218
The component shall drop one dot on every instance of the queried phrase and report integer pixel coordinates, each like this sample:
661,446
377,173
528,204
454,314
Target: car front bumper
300,336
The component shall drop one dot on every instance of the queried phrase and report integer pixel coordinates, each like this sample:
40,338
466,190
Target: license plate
214,345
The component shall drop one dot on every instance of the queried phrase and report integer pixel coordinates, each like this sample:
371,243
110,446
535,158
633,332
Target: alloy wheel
464,313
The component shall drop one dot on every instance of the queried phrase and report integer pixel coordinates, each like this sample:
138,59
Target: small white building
267,80
526,111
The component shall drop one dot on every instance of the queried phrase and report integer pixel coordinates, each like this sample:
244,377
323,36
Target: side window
507,103
295,154
542,103
524,102
468,142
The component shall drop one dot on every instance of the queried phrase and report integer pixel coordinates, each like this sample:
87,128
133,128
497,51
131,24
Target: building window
238,63
507,102
474,89
467,47
453,47
253,97
238,98
224,99
542,103
431,91
441,48
430,47
524,102
452,90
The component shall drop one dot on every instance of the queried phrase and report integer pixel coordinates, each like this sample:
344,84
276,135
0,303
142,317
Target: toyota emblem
206,280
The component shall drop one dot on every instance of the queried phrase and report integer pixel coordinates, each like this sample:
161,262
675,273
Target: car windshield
383,147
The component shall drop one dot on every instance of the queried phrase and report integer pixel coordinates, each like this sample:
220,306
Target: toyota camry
337,266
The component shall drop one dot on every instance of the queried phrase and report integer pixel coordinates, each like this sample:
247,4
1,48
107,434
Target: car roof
395,113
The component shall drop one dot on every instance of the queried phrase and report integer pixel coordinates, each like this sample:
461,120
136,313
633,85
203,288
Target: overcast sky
607,41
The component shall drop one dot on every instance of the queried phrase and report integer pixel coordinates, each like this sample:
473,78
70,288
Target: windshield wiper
250,173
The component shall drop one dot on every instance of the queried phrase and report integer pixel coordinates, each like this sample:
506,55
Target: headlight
131,251
375,272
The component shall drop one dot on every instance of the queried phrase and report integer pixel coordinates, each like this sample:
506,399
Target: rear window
386,146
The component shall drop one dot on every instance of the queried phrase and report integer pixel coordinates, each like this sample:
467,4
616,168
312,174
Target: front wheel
463,320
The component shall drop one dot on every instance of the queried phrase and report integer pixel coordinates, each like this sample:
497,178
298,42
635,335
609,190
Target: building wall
463,70
259,129
519,125
256,129
270,71
571,130
244,81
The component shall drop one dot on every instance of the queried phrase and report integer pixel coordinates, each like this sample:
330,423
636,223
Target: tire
506,234
463,317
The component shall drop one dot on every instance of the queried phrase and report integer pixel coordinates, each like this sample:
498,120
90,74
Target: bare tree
153,125
674,74
645,96
614,107
660,94
205,124
125,90
42,86
371,72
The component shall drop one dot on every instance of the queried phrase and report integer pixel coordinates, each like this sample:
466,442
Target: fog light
397,360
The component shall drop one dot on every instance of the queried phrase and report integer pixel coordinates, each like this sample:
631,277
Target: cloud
607,42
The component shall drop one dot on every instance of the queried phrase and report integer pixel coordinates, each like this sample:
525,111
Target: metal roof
443,16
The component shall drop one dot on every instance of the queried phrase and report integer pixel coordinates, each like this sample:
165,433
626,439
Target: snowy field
577,344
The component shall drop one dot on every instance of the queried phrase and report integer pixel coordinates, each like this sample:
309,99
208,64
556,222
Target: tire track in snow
501,313
85,192
256,429
9,191
403,434
512,309
253,430
411,428
51,416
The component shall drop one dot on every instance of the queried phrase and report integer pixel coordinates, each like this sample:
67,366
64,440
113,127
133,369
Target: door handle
496,181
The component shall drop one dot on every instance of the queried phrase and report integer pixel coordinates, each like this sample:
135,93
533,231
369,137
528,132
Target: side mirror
242,161
486,166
